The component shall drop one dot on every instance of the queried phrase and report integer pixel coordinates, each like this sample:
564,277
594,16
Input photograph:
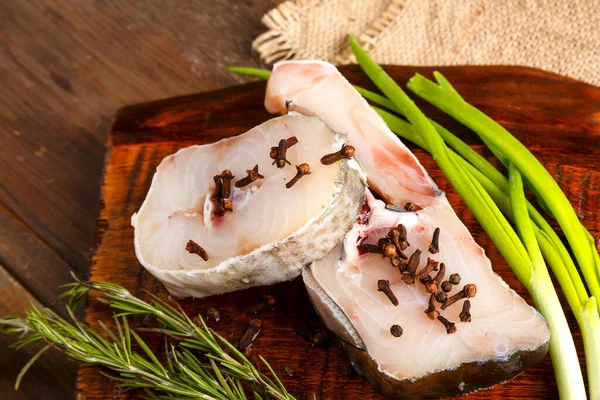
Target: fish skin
271,262
311,87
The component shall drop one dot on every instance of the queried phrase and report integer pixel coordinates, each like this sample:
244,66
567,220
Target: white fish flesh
272,231
505,335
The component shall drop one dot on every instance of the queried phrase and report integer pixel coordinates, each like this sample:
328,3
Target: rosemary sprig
222,373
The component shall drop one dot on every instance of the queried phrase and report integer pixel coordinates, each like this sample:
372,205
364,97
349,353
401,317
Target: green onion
533,275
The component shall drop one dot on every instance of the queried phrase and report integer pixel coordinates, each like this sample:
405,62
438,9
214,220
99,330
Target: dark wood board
557,118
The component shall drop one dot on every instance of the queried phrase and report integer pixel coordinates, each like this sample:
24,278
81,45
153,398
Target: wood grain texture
557,118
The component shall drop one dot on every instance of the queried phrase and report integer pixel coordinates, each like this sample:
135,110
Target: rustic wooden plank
52,376
143,134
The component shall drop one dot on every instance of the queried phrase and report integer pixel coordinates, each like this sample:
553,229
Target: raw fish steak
230,215
420,317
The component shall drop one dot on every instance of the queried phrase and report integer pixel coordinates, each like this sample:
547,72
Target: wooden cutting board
557,118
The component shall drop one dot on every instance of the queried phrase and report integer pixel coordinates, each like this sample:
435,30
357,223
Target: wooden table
65,68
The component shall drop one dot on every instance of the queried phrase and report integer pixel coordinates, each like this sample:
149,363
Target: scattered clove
454,279
409,206
432,312
316,335
194,248
290,142
389,251
396,330
433,285
344,152
218,187
213,314
252,176
394,237
465,314
398,262
434,247
303,169
369,248
288,370
270,300
226,178
255,308
450,326
251,333
222,206
413,264
432,265
470,290
280,159
441,297
446,286
383,285
403,238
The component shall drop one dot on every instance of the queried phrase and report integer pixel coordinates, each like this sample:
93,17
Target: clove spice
432,312
252,176
413,264
434,284
251,333
450,326
434,247
194,248
218,187
290,142
280,154
383,285
454,279
465,314
403,237
409,206
394,237
470,290
213,314
344,152
432,265
446,286
303,169
226,178
441,297
396,330
369,248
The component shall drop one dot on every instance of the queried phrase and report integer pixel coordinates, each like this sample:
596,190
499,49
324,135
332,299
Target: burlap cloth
558,36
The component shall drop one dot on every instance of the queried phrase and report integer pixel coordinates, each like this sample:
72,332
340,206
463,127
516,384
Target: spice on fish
434,284
280,154
396,330
302,169
454,279
413,264
218,187
290,142
470,290
389,250
434,247
403,237
446,286
252,176
441,297
383,285
432,265
226,178
251,333
465,314
194,248
394,237
345,152
432,312
369,248
398,262
409,206
450,326
213,314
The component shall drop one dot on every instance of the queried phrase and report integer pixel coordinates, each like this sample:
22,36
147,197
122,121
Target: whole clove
396,330
226,178
288,370
218,187
252,176
222,206
383,285
194,248
280,154
454,279
290,142
389,251
432,265
413,264
441,297
344,152
302,169
433,285
409,206
369,248
465,314
434,247
213,314
470,290
394,237
399,263
403,237
251,333
432,312
446,286
450,326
